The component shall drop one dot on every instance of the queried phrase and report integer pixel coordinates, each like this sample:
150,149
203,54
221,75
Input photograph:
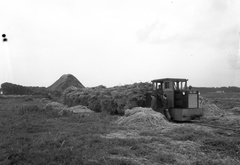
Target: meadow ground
224,100
32,134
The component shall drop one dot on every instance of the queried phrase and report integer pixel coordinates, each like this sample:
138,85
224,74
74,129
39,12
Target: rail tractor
183,102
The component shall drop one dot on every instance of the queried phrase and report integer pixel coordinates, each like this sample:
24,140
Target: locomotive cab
183,102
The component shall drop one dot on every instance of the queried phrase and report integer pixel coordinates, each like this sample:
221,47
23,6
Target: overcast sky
117,42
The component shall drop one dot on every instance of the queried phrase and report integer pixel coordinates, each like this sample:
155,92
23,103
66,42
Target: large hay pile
65,81
221,116
210,109
112,100
142,117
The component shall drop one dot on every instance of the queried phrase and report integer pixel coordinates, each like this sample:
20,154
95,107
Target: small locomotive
182,101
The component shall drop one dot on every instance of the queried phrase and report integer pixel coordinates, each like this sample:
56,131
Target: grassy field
224,100
30,134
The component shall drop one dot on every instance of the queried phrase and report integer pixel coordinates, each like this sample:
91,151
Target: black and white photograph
120,82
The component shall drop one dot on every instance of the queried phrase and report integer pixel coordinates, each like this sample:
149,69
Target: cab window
166,85
154,86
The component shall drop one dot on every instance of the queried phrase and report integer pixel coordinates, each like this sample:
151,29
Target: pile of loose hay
55,106
113,100
79,109
210,109
55,91
223,117
142,117
61,109
231,121
122,134
64,82
203,101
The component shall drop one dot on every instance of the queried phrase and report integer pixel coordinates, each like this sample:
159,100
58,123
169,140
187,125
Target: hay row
142,117
112,100
60,108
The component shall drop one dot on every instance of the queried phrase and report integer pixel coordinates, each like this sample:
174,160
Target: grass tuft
185,133
28,109
222,146
164,158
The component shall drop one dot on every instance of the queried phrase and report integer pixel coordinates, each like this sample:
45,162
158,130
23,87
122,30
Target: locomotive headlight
183,93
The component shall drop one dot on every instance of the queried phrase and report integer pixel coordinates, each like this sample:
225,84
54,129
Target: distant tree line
14,89
229,89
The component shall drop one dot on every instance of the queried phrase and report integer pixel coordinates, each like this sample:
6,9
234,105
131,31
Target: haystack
64,82
142,117
210,109
113,100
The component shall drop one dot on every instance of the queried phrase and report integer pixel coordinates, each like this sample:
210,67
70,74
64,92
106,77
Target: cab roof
170,79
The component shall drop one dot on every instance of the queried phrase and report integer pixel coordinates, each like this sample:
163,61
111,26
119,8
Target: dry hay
64,82
203,101
61,109
185,147
142,117
79,109
69,90
113,100
210,109
235,110
55,91
55,106
122,134
230,120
